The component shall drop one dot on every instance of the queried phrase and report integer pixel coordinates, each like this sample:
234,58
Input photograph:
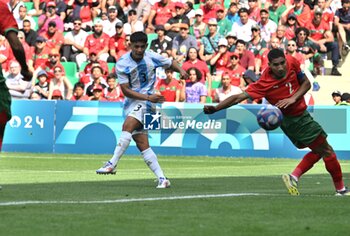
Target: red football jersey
7,21
275,90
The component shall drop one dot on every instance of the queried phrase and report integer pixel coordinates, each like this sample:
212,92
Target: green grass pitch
46,194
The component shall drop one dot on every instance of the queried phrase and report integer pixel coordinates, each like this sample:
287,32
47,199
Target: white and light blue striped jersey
141,76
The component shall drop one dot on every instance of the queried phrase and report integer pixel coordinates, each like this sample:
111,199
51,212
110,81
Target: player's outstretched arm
176,67
228,102
19,54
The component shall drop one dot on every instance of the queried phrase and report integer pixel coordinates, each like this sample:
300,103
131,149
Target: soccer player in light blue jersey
136,72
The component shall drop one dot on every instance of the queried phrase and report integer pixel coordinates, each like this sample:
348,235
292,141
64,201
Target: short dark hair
241,41
275,53
138,37
79,85
301,29
97,66
242,10
77,19
26,20
111,76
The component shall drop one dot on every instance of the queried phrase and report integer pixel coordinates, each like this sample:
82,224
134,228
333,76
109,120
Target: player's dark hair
79,85
138,37
275,53
198,73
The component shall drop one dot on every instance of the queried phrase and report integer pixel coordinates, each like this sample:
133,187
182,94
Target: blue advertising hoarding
94,128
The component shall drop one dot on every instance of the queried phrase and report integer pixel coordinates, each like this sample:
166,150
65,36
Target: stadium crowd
72,45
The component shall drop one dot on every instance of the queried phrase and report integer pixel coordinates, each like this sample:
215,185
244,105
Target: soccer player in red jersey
8,27
284,85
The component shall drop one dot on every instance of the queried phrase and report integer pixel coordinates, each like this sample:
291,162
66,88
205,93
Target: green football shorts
302,130
5,100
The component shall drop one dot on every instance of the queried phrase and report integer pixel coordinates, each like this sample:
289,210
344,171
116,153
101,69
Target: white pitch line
127,200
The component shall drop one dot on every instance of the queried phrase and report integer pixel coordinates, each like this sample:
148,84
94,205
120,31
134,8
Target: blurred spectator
40,53
57,95
18,88
82,9
78,93
120,6
290,26
189,11
114,92
54,38
109,24
122,49
60,83
26,47
261,61
29,33
210,41
6,54
336,96
74,44
52,63
231,41
182,42
280,34
173,25
267,27
14,6
276,10
232,13
345,100
133,24
257,43
209,10
342,22
169,87
226,90
97,79
254,10
235,71
98,42
23,16
116,43
247,59
85,76
49,16
193,91
305,46
97,93
224,25
193,60
327,14
301,10
143,9
292,50
243,27
221,59
161,12
321,35
198,28
41,88
162,43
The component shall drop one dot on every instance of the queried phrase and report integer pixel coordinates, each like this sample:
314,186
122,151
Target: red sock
333,167
306,163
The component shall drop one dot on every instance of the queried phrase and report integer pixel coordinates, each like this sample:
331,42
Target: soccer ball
269,117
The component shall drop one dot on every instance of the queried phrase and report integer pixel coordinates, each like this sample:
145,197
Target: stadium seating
150,37
83,65
36,20
29,5
110,66
71,71
215,84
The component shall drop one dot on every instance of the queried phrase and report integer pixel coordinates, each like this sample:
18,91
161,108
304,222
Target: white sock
123,144
151,160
